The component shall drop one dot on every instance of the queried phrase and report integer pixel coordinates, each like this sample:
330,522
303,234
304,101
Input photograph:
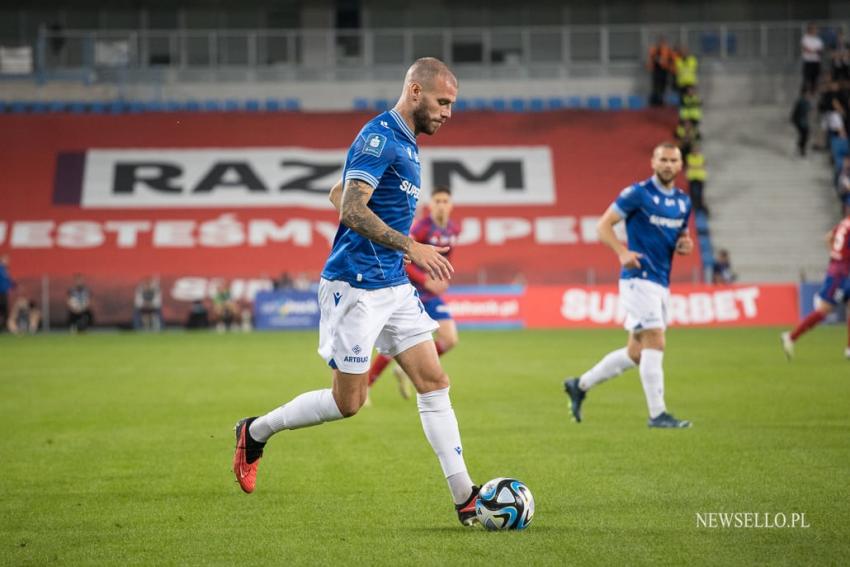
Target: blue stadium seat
480,104
212,106
97,107
252,105
56,106
135,107
361,104
555,103
536,104
594,102
701,222
232,105
77,107
636,102
174,106
192,106
272,105
517,105
117,107
292,104
574,102
499,104
153,106
615,102
461,104
380,104
39,107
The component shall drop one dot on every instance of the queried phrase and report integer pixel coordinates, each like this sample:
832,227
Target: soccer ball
504,504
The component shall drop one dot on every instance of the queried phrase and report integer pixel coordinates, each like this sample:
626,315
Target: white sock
652,378
613,364
440,426
311,408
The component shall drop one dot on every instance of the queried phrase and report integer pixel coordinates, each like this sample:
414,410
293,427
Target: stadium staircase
769,207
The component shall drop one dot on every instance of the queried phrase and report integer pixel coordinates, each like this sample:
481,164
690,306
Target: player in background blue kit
437,229
656,215
365,297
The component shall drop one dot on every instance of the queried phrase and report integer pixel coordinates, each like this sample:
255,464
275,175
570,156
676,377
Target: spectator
812,47
80,315
301,282
148,305
840,59
696,176
800,119
686,65
285,281
660,63
829,102
225,308
842,186
6,285
690,107
687,134
25,316
199,317
834,126
721,271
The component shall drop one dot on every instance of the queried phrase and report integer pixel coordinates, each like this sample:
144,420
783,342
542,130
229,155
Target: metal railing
368,54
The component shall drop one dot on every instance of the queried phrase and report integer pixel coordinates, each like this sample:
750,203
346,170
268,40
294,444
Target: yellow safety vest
696,167
691,108
693,113
686,71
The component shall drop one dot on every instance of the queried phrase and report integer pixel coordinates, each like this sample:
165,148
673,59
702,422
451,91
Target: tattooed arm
356,215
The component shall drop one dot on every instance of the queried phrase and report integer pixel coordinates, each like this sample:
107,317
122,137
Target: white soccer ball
504,504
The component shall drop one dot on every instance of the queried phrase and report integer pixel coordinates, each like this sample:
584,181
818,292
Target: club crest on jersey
374,144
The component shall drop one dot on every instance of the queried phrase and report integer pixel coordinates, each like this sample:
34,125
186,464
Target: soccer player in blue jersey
656,215
365,297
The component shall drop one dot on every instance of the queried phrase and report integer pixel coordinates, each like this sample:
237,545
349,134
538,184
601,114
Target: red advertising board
244,195
598,306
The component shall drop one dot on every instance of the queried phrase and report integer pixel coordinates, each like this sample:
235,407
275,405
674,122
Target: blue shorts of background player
835,289
437,308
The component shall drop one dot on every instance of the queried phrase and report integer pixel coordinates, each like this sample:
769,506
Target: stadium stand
769,206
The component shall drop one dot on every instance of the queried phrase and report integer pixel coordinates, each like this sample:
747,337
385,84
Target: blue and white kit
655,218
365,295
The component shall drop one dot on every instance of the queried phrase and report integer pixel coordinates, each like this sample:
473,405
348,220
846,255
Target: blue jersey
385,156
655,218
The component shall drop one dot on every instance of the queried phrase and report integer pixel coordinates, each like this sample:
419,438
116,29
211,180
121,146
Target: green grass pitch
116,451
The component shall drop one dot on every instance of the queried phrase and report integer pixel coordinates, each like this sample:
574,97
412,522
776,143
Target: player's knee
349,408
439,381
349,404
449,342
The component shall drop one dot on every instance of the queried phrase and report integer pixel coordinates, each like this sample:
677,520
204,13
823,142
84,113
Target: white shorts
646,304
354,320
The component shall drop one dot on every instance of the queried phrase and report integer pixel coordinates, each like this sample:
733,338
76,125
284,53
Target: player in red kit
835,288
435,229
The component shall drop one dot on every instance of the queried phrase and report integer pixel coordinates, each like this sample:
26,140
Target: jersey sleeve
628,201
369,157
